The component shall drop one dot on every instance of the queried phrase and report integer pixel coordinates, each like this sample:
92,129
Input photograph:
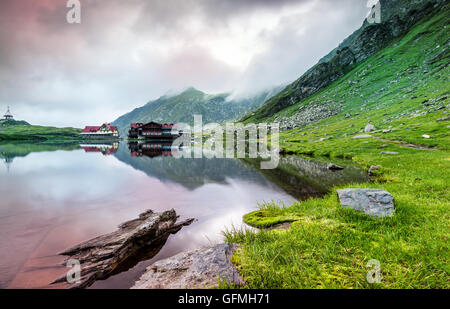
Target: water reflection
56,196
104,148
151,149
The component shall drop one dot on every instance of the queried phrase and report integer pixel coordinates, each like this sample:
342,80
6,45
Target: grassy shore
23,132
402,90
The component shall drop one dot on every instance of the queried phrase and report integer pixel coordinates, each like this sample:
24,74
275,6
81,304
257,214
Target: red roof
93,129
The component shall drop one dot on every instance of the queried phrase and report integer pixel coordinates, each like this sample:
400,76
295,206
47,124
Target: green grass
329,247
20,132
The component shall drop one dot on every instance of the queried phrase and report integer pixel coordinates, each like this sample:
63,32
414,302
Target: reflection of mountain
190,173
9,151
304,178
20,149
105,148
301,178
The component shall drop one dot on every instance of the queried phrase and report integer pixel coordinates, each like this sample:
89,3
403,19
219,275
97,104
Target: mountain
398,18
183,106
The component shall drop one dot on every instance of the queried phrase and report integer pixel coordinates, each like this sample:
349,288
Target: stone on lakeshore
334,167
373,168
373,202
134,241
197,269
362,136
369,128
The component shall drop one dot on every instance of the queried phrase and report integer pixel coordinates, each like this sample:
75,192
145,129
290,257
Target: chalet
153,130
104,131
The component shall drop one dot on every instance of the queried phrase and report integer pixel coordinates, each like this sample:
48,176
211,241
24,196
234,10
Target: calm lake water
54,197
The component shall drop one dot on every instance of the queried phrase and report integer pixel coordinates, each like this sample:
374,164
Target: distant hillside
183,106
398,17
12,122
12,130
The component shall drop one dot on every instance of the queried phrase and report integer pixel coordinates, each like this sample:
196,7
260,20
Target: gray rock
135,240
389,152
334,167
373,168
373,202
444,119
362,136
200,268
369,128
387,131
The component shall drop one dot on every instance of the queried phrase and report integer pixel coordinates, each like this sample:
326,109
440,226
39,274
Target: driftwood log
134,241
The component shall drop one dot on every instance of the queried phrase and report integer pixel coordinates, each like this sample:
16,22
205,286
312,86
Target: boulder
134,241
443,119
369,128
334,167
373,168
197,269
362,136
373,202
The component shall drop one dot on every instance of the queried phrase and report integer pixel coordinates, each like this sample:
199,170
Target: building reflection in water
105,148
152,149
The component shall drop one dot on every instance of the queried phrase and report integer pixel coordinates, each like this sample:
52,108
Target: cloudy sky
125,53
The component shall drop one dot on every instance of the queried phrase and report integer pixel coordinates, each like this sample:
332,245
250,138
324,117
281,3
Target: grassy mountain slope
402,90
182,107
397,19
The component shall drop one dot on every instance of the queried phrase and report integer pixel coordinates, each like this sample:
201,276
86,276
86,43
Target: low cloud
125,53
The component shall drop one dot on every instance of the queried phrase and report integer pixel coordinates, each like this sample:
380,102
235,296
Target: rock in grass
134,241
196,269
373,202
443,119
369,128
334,167
389,152
362,136
373,168
426,136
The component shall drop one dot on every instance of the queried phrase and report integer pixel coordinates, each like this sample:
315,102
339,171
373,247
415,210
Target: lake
56,196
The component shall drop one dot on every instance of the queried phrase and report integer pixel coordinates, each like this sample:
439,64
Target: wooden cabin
106,130
153,130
